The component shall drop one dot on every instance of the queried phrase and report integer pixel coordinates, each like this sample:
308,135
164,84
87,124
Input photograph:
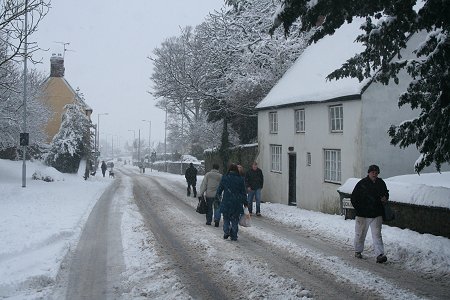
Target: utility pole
182,127
139,147
165,141
24,139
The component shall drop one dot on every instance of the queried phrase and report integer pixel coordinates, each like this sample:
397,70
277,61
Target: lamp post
24,135
134,139
149,134
97,145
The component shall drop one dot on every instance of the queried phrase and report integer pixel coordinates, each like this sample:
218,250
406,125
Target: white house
314,134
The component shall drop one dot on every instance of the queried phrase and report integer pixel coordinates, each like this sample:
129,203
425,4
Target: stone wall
423,219
175,167
243,155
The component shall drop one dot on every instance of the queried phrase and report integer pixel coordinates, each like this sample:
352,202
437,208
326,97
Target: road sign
24,138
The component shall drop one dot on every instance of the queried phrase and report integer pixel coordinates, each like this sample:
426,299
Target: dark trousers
194,189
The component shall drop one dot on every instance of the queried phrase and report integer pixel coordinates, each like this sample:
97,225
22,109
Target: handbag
388,214
245,219
201,206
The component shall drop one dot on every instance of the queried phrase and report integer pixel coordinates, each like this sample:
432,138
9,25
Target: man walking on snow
254,181
191,179
367,198
209,187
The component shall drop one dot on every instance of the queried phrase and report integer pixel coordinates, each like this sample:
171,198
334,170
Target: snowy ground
39,224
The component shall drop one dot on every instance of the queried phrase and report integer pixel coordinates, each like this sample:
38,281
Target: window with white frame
275,158
332,164
308,158
273,122
299,117
336,118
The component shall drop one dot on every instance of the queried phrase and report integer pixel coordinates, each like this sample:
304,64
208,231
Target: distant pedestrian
191,179
233,200
367,198
103,167
254,180
208,187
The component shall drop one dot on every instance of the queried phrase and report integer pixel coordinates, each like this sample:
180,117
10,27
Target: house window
336,118
308,158
299,117
273,122
332,165
275,157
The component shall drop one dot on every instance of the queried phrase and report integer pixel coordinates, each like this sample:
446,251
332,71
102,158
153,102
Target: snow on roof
305,80
430,189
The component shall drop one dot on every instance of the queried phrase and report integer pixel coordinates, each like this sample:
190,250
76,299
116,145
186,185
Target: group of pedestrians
227,195
230,193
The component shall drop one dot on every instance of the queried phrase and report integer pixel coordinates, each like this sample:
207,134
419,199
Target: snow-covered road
149,242
271,260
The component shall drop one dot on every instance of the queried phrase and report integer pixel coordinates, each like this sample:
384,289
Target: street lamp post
134,139
97,145
25,57
149,134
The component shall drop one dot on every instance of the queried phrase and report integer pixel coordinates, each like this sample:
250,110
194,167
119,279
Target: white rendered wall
311,190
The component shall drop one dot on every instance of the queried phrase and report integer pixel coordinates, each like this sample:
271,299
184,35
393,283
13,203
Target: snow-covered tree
388,27
12,27
11,104
226,65
72,142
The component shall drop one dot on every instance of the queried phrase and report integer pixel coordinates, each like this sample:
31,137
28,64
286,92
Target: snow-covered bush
69,144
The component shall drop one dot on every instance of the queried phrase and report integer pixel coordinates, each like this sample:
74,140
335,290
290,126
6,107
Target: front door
292,179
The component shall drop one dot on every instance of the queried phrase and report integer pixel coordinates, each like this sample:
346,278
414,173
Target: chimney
56,66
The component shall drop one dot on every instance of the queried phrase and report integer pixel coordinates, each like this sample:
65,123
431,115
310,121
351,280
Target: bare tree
12,26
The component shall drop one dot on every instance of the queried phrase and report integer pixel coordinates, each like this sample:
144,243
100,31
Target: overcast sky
107,55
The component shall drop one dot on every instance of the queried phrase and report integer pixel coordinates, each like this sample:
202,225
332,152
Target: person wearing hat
191,179
367,198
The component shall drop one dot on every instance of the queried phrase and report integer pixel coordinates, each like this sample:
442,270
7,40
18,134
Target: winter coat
103,166
254,179
366,197
210,183
191,175
234,195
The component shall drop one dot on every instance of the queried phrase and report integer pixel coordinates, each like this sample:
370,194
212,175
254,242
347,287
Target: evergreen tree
389,26
71,143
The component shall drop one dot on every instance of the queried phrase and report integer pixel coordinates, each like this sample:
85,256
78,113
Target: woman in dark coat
234,198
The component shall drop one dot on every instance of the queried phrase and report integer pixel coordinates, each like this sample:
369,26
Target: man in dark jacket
254,181
191,179
367,198
103,167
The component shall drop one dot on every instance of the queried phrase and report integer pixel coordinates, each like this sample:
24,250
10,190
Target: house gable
57,93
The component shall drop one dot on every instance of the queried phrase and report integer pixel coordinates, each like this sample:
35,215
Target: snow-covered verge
40,223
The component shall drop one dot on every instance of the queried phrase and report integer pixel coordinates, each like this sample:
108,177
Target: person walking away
254,181
191,179
209,186
103,167
367,198
233,200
